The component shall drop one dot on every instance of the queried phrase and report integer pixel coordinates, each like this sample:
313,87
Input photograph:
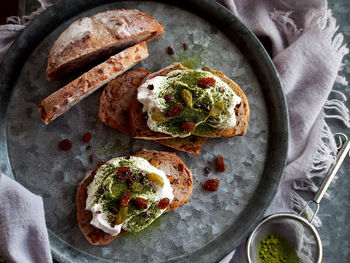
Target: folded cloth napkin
23,233
307,52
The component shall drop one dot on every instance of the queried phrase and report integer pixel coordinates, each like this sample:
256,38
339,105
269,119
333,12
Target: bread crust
141,130
181,182
117,101
63,99
98,36
94,235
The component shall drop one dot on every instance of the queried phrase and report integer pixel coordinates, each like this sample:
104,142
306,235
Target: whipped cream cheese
153,100
101,192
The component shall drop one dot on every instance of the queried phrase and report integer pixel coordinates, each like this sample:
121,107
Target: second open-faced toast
175,169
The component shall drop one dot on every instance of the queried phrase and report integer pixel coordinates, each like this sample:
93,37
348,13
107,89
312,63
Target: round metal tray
211,224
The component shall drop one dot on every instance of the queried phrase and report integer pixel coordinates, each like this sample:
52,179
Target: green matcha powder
274,249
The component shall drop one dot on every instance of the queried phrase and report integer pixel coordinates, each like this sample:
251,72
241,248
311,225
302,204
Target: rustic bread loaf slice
115,103
63,99
98,36
140,128
116,98
179,176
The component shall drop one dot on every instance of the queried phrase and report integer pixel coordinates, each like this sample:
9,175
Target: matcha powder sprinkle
274,249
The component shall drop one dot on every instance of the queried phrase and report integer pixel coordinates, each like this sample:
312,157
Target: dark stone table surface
335,210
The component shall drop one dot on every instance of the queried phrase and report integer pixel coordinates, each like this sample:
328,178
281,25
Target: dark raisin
163,203
220,164
171,50
180,167
147,214
129,182
206,83
211,185
123,173
188,127
205,107
106,187
87,137
175,110
185,46
150,87
113,210
127,156
65,145
124,200
143,180
168,97
140,203
207,170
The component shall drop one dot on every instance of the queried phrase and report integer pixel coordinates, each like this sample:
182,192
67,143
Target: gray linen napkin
23,233
307,53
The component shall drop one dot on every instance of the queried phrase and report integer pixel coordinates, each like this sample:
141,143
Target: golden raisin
156,178
159,116
122,214
217,109
187,97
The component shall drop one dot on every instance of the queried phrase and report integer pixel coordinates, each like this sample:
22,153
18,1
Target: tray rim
213,12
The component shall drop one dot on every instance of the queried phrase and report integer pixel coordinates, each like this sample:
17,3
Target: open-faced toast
118,102
177,172
63,99
140,128
99,36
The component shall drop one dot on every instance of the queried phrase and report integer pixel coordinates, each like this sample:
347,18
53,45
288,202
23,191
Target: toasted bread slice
63,99
116,99
179,176
140,128
98,36
115,103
